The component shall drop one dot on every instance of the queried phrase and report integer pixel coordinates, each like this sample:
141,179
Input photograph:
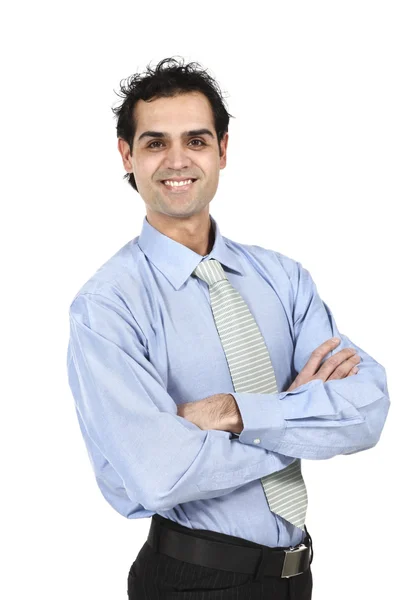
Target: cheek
214,172
145,167
210,167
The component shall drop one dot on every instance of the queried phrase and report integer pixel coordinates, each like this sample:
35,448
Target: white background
312,172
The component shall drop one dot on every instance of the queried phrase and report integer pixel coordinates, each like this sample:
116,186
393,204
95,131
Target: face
175,139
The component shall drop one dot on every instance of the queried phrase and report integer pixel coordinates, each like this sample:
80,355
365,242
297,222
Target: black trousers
156,576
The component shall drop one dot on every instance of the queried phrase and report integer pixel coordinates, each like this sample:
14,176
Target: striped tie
252,371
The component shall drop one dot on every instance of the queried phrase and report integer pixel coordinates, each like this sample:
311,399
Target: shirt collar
175,260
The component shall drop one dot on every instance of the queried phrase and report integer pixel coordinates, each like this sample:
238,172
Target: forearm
219,411
317,420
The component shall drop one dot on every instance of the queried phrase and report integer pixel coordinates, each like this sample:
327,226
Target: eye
150,145
195,140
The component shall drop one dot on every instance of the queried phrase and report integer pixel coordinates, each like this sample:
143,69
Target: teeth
178,183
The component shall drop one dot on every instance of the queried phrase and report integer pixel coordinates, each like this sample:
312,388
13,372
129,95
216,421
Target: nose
177,157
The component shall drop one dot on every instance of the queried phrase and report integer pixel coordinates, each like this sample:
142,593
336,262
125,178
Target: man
204,370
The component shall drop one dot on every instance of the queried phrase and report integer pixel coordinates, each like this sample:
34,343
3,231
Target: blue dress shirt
143,340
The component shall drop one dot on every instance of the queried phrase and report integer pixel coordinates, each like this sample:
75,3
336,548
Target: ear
224,147
123,148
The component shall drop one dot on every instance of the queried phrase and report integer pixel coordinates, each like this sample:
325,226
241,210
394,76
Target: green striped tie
252,371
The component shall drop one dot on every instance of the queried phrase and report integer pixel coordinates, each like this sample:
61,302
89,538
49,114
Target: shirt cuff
262,416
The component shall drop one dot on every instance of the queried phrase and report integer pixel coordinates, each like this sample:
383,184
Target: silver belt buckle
292,562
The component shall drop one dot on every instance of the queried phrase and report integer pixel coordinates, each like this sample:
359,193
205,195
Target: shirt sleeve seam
119,306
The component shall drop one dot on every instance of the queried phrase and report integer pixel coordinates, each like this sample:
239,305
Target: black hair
169,78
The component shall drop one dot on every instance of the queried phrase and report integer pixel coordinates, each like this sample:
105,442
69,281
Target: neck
196,233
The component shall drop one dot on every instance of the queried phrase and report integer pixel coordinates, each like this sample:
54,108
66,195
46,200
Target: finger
296,383
354,371
316,357
344,368
335,362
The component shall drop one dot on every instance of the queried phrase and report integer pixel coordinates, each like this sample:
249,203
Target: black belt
261,561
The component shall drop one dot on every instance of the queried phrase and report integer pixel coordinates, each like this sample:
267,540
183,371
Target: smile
177,187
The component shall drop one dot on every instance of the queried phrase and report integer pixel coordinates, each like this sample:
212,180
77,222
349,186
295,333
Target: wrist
231,419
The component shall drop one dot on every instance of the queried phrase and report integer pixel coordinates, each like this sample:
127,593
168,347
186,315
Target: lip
178,189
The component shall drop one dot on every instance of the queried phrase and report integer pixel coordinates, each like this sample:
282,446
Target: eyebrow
160,134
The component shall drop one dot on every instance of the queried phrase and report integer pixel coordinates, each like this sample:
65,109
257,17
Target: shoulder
267,258
115,293
116,277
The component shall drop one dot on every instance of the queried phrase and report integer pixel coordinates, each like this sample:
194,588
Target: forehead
183,112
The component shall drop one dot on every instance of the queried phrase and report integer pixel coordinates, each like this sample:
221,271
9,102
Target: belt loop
311,546
155,534
259,572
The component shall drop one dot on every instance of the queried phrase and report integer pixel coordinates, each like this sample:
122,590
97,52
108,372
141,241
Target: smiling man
176,158
204,370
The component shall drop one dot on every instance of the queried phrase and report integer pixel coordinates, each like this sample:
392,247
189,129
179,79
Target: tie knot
210,271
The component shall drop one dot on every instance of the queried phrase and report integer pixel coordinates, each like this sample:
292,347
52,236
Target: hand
340,365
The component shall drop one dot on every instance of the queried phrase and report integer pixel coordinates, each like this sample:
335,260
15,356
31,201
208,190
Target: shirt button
257,441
